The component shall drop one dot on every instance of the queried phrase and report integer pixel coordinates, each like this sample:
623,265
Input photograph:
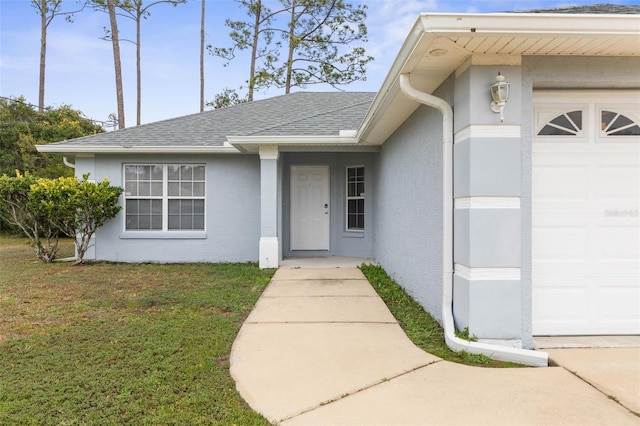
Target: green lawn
121,343
423,330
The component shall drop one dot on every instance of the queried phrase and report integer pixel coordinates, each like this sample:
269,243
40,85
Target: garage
586,213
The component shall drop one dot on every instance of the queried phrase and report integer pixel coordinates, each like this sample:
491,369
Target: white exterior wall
232,224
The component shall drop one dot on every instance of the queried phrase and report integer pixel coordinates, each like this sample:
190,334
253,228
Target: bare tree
47,10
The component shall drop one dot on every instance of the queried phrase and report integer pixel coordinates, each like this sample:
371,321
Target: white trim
269,248
269,152
291,140
487,274
119,149
487,131
487,203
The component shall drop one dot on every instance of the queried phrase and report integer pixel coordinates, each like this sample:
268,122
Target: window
616,124
355,198
164,197
567,124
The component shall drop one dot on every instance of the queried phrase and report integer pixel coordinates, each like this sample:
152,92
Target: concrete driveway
321,348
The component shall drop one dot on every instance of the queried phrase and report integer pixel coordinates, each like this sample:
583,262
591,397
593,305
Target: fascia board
291,140
117,149
530,23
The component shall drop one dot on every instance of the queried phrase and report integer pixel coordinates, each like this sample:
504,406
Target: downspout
503,353
67,163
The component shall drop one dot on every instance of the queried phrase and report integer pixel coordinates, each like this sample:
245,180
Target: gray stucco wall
342,242
408,207
232,226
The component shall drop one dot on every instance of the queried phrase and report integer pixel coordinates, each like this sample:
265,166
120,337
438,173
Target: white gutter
502,353
67,163
132,149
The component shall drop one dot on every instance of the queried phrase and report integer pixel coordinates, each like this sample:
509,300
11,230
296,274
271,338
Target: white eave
439,44
124,149
251,144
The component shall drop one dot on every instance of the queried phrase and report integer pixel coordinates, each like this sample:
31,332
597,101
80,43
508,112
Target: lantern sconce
500,95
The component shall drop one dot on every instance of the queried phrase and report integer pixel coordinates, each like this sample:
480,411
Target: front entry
310,208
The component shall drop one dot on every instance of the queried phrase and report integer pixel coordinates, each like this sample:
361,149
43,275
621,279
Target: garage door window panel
618,124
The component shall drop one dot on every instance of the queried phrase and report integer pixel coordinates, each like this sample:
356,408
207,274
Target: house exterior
518,227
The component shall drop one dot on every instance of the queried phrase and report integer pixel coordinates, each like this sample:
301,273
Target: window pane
145,173
186,189
156,189
132,222
144,222
174,207
198,207
131,188
186,173
554,131
131,173
144,206
186,207
186,222
156,222
156,207
198,173
629,131
144,189
156,172
173,189
132,206
198,189
174,222
198,222
174,172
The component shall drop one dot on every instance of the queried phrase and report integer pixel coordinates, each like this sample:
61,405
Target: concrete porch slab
324,262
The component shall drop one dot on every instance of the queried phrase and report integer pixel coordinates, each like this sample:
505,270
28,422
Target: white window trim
348,198
165,203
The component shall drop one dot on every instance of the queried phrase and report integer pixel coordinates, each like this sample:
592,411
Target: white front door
310,208
586,213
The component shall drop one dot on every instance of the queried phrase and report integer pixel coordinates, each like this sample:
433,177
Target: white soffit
439,44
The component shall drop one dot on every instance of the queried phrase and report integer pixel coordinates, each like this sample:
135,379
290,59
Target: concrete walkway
321,348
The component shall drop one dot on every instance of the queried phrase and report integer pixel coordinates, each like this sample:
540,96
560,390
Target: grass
419,325
121,343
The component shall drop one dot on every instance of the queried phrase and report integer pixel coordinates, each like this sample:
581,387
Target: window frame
165,198
361,196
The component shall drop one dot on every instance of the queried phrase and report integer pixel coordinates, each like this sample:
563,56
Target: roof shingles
297,114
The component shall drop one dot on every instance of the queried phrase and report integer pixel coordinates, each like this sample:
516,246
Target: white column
269,255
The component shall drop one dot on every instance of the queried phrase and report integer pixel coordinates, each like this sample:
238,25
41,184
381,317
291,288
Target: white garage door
586,213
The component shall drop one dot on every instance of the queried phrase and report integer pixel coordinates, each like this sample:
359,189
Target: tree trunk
292,27
254,50
202,59
116,61
43,53
138,65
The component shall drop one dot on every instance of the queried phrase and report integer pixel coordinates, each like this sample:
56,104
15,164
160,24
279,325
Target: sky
79,64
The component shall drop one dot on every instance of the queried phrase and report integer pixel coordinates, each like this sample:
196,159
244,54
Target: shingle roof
296,114
594,9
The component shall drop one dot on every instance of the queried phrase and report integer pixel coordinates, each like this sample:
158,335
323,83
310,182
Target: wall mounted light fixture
500,95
